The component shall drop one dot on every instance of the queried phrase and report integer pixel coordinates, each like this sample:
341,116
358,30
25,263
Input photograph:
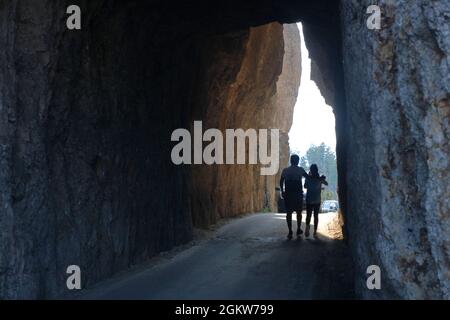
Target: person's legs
299,217
289,221
309,210
316,218
289,211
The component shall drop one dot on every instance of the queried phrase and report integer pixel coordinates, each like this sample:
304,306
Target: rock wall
285,100
398,89
85,124
250,80
86,175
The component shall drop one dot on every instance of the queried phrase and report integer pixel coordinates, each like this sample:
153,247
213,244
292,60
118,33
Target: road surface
247,258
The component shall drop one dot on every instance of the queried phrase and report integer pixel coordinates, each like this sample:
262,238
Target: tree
325,159
303,162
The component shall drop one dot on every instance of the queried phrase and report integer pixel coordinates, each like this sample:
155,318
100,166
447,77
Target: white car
330,206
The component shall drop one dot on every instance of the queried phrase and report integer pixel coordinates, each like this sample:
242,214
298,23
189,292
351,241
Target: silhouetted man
292,193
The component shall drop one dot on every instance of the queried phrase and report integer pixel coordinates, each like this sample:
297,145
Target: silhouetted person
313,184
292,193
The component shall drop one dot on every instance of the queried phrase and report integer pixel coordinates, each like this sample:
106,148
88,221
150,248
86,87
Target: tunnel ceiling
234,15
184,18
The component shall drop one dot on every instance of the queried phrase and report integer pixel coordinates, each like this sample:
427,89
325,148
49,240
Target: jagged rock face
287,93
252,86
397,88
85,127
86,176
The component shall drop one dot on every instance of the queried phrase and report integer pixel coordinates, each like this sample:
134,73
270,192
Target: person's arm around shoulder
323,179
304,174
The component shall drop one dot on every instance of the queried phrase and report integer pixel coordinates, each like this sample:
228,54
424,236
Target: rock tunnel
86,119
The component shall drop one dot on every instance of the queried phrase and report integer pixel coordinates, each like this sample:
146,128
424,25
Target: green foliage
304,162
266,210
328,195
325,159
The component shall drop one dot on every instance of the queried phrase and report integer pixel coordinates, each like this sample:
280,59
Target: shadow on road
247,258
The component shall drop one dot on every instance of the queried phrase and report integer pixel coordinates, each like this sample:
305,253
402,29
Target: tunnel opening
313,132
102,185
265,103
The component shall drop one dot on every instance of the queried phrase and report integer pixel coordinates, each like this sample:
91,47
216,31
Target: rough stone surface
252,86
85,126
86,176
398,90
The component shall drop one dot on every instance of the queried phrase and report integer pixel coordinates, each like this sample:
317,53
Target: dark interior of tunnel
91,178
117,89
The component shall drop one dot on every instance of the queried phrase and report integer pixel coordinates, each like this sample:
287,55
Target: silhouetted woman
313,184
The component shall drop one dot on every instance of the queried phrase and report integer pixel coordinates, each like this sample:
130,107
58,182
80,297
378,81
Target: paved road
247,258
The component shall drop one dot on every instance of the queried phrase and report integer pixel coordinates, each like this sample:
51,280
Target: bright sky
314,120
